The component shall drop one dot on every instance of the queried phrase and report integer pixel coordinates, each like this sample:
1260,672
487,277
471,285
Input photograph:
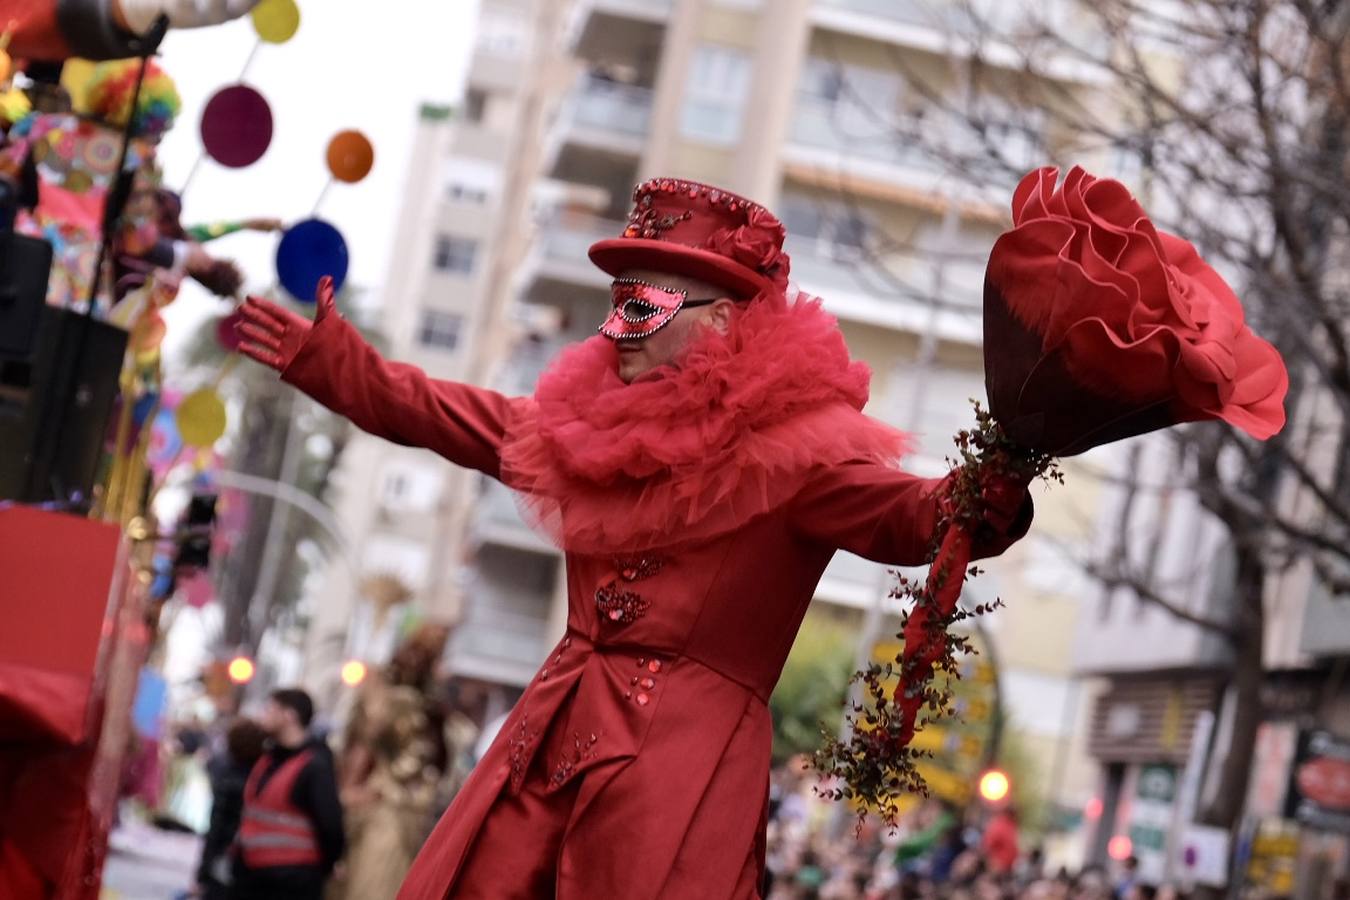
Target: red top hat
693,229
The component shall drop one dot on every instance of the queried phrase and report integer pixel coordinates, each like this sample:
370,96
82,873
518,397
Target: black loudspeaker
25,263
55,403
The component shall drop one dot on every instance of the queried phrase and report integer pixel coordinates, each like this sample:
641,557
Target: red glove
274,335
1003,497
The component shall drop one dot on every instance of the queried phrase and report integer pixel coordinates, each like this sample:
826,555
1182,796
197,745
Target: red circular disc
236,126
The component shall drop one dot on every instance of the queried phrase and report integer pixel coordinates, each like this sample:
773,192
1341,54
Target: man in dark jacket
229,771
290,831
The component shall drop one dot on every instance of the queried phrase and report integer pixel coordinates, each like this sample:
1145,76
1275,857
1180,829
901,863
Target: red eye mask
642,309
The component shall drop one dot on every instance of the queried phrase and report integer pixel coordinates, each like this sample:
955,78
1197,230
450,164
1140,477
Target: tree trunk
261,455
1247,674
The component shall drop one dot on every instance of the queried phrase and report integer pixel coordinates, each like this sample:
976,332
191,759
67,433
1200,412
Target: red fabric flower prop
1098,326
757,244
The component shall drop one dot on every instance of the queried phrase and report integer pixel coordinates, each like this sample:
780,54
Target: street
145,863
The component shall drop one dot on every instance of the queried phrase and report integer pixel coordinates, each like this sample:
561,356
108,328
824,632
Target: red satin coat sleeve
884,514
399,402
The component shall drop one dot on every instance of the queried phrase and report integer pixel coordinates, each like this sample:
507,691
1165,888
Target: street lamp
994,786
241,670
353,672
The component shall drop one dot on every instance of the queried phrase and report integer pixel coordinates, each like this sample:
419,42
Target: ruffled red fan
1097,327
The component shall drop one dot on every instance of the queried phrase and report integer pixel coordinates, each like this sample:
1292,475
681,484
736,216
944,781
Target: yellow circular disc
201,418
276,21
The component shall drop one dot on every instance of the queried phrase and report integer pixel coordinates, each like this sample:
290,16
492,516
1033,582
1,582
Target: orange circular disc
350,156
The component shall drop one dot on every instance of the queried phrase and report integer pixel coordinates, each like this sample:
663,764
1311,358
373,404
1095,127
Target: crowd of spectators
815,852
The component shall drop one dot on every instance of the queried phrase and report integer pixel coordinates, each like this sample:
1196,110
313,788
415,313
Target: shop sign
1319,782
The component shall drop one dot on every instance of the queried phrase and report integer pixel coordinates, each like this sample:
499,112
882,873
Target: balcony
853,581
497,520
528,360
998,28
912,152
496,644
898,296
611,107
594,25
599,120
645,10
846,129
560,248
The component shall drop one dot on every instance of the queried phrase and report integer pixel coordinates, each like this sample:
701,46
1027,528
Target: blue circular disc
308,251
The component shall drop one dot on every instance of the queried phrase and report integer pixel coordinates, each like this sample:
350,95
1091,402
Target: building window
501,33
440,329
826,227
475,104
715,96
463,193
406,486
455,254
471,180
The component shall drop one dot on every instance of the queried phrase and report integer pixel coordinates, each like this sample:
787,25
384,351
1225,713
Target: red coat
651,714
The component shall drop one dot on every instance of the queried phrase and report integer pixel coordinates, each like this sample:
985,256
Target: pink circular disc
236,126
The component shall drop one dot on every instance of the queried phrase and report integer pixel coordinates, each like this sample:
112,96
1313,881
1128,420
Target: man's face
273,718
640,355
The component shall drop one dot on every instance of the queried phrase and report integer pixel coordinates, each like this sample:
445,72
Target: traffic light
194,535
994,786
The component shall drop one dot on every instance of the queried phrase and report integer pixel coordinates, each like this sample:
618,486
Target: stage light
1092,810
1120,847
241,670
353,673
994,786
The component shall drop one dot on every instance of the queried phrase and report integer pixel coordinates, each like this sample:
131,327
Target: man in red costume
699,462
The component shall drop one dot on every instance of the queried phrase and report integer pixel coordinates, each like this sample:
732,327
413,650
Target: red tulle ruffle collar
692,451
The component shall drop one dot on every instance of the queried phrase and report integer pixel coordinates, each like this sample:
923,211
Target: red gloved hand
1002,496
274,335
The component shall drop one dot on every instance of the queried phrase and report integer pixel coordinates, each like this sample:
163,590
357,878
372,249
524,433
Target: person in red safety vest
999,843
290,831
